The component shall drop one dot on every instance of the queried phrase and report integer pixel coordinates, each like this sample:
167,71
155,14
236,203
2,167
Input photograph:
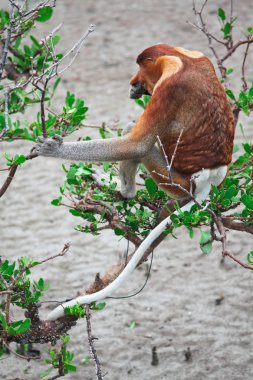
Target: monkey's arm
114,149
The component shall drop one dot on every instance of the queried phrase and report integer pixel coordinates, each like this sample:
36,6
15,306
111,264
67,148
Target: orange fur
186,93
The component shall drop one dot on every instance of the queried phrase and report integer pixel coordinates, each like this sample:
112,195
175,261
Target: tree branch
7,41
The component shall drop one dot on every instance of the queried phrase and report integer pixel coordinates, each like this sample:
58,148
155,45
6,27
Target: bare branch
245,84
91,344
7,41
8,180
76,48
223,239
44,40
235,47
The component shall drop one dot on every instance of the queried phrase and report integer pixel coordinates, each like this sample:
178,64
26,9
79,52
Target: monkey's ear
169,65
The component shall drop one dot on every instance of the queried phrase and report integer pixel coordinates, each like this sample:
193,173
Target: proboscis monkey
188,101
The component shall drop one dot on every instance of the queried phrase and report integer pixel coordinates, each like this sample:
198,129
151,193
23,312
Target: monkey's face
150,68
144,81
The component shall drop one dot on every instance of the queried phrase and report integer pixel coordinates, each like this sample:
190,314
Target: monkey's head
150,67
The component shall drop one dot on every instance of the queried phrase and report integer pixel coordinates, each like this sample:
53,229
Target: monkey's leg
156,164
127,171
127,174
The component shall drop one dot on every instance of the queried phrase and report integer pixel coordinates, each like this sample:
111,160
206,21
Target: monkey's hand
49,147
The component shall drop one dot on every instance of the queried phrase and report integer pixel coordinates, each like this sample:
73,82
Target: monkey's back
206,117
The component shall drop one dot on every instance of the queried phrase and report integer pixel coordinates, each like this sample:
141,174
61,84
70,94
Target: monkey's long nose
137,90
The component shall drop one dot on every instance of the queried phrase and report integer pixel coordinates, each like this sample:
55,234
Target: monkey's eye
150,59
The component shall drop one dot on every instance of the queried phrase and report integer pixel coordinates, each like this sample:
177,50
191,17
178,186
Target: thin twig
223,239
7,41
91,344
12,172
76,47
234,47
8,180
18,355
50,35
245,85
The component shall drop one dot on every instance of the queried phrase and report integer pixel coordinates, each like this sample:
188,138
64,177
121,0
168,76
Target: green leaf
205,242
231,192
140,103
151,186
56,83
46,372
250,257
235,148
118,231
44,14
229,71
227,29
98,306
25,261
75,212
3,321
206,248
70,367
55,39
250,93
247,148
36,42
27,50
247,201
250,29
132,325
230,94
19,159
221,14
204,237
19,327
24,326
56,201
7,157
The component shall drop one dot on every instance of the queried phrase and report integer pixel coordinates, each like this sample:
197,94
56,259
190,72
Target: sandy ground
178,307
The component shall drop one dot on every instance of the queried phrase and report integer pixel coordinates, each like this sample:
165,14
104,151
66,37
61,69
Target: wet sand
178,308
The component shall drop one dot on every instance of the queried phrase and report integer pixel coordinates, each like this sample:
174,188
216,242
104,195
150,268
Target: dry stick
77,46
33,10
7,41
223,239
12,171
50,35
232,50
202,26
91,344
18,355
245,85
62,253
8,180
